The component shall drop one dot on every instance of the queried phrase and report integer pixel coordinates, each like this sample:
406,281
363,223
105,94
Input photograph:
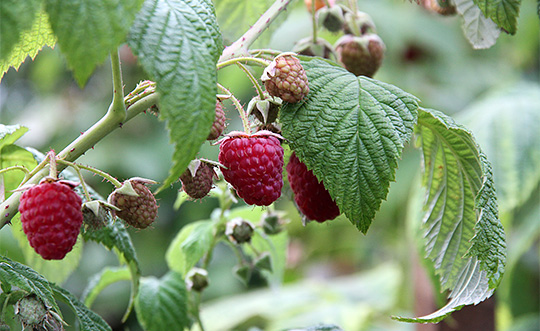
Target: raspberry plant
316,102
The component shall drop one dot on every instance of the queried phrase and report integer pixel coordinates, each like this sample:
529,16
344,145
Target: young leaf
106,277
189,246
171,38
482,32
30,43
15,18
10,133
502,12
23,277
162,303
88,30
88,320
464,238
506,123
350,132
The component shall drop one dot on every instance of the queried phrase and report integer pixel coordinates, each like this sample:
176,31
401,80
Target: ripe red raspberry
138,206
254,165
310,195
361,55
197,180
51,218
286,78
219,122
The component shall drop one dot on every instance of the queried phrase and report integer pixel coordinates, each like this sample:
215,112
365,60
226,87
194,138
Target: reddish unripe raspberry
51,218
310,195
197,186
254,165
138,206
219,122
361,55
286,78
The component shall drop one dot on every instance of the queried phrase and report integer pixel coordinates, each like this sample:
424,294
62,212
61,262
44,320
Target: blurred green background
427,55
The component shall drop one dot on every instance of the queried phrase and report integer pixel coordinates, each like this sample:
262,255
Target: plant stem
314,22
253,80
246,59
243,116
113,119
241,46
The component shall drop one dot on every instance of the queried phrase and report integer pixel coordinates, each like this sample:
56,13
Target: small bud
264,262
331,18
31,311
197,279
271,224
243,272
265,110
239,230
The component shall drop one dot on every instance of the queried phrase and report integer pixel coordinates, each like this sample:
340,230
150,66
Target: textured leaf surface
98,282
481,32
15,18
10,133
464,238
88,30
162,303
178,44
88,320
502,12
350,131
506,123
30,43
189,246
23,277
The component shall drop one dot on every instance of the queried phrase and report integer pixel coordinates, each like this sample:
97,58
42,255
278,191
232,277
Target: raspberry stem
241,111
253,80
240,47
247,59
314,21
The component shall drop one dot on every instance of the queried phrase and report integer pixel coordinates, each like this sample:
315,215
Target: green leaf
481,32
56,271
23,277
13,155
350,132
502,12
88,320
88,30
464,238
30,43
189,246
236,16
162,303
15,18
100,281
10,133
171,39
506,123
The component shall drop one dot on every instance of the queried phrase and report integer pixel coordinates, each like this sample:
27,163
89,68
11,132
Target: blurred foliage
427,55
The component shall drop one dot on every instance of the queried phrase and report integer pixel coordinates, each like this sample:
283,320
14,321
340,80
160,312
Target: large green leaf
178,44
189,246
88,320
30,42
506,123
481,32
88,30
350,131
26,279
502,12
15,18
162,303
464,238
